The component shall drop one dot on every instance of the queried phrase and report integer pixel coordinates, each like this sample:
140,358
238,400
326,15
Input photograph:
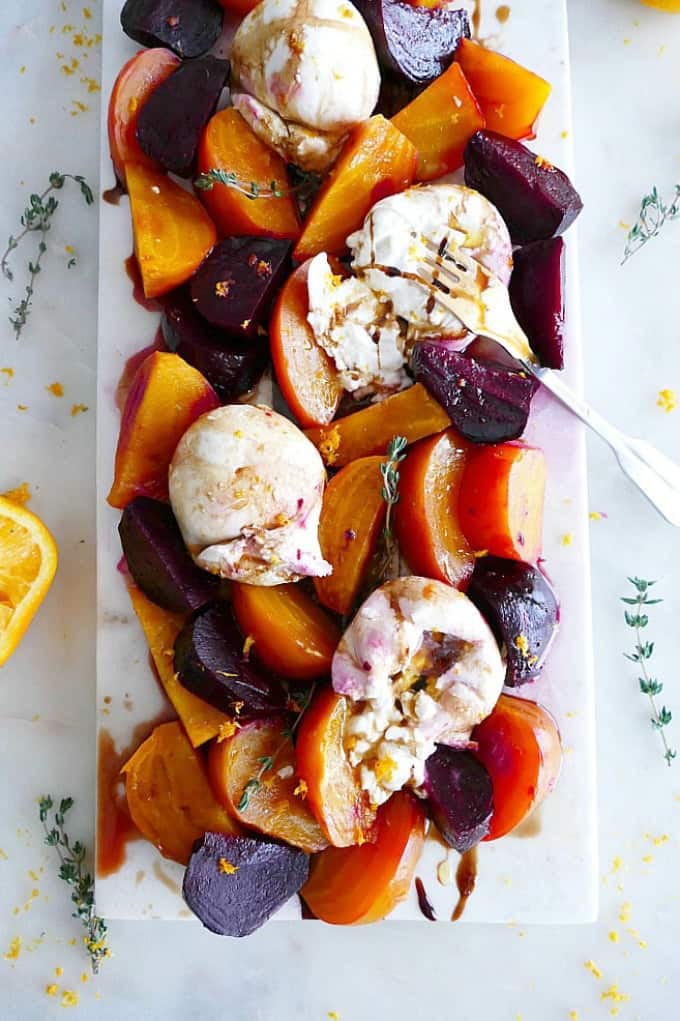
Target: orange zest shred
301,789
226,868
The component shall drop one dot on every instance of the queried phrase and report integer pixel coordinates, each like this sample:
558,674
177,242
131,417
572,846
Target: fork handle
558,388
657,477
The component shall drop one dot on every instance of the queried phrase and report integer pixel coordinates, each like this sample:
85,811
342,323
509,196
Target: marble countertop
626,80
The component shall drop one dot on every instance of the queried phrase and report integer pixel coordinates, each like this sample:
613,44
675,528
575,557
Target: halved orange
28,560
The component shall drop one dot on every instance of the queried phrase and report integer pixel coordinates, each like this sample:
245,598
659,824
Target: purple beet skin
158,560
188,27
210,662
537,298
522,610
460,795
232,368
172,119
414,43
536,200
234,287
237,901
486,403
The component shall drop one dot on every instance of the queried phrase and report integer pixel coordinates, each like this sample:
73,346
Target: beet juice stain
424,901
466,879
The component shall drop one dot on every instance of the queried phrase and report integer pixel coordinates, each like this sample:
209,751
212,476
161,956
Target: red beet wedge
235,286
536,199
522,611
188,27
460,795
487,403
210,662
235,884
172,119
537,298
231,367
414,43
159,561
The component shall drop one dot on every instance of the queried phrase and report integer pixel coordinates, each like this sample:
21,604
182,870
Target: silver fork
452,277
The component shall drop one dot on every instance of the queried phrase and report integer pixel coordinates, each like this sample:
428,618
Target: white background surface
627,108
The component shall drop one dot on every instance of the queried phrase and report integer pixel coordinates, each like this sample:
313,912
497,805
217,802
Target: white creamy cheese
421,665
394,236
369,322
311,66
356,329
246,487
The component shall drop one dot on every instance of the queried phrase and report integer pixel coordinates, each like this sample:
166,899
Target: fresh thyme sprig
300,701
37,217
396,452
386,547
637,619
72,857
251,189
653,214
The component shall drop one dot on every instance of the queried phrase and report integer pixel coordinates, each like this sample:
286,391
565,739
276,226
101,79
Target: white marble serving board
548,877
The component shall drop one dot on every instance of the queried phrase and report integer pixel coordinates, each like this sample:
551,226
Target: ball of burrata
303,73
246,487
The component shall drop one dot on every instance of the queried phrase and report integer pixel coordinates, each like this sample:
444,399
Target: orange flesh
229,144
501,501
376,161
340,805
411,413
172,231
137,79
168,794
161,627
274,808
519,744
28,561
352,516
292,635
305,373
165,397
439,122
509,95
358,885
426,516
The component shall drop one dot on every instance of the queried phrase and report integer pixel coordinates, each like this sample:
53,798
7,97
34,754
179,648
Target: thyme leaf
298,701
37,218
637,619
72,871
653,214
251,189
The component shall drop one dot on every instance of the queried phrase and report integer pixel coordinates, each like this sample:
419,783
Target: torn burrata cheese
357,329
421,666
246,487
303,73
369,322
389,251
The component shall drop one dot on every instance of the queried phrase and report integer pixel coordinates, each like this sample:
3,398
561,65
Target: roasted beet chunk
460,794
235,286
210,661
235,884
231,367
537,298
414,43
521,608
486,403
188,27
535,199
172,119
159,561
